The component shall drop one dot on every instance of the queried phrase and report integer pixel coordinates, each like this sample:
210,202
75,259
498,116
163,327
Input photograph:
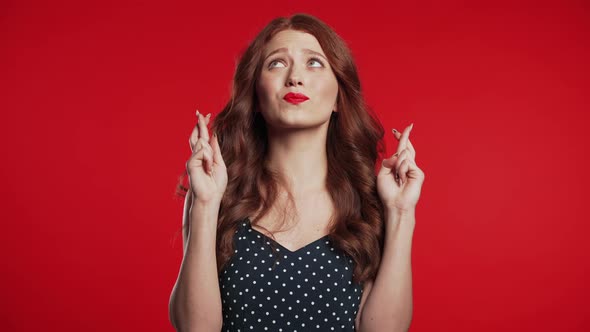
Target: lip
295,98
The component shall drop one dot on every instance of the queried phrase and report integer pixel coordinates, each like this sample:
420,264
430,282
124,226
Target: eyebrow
305,50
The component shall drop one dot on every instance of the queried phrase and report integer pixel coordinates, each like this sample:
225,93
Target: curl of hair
354,144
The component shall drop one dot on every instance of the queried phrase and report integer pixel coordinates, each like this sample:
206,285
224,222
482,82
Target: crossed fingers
200,136
404,141
406,154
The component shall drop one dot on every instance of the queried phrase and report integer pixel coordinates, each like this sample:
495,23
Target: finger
201,144
403,141
203,131
208,161
197,159
388,166
216,151
412,150
409,170
199,148
404,167
410,146
194,137
400,159
203,157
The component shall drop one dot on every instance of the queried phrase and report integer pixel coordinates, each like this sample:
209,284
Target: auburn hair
354,145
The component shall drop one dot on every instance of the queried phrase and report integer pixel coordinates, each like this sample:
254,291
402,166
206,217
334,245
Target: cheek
265,89
328,89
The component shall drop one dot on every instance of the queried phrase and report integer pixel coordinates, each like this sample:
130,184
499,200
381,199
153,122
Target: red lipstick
295,98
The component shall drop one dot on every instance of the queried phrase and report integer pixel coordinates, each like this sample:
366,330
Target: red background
98,102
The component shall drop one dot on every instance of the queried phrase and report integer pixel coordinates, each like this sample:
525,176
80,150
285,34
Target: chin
299,122
290,116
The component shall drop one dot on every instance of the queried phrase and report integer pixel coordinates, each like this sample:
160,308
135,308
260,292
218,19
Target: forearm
195,303
389,304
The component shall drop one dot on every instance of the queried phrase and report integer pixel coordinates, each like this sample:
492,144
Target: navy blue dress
275,289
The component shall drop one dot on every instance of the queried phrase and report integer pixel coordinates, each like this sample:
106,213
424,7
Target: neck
299,156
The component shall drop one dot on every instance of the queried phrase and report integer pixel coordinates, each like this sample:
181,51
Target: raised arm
195,302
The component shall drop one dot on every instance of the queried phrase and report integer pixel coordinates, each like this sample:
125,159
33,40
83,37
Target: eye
273,63
318,62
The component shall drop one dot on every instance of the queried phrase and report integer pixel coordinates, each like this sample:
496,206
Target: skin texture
295,62
388,303
295,69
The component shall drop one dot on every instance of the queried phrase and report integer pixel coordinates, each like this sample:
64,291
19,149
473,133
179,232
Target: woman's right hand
206,168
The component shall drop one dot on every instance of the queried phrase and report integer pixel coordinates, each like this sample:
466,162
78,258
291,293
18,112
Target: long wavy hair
354,144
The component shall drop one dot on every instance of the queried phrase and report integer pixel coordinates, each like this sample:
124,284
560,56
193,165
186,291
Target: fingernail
411,126
394,131
197,112
208,115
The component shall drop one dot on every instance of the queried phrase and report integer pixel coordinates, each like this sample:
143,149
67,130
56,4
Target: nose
293,78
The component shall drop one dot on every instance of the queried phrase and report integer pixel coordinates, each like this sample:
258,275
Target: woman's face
294,62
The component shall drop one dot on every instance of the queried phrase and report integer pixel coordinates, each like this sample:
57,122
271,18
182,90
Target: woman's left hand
399,180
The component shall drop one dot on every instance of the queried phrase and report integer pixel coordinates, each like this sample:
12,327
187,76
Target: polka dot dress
266,289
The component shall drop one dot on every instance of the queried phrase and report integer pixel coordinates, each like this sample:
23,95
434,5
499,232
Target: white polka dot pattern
266,288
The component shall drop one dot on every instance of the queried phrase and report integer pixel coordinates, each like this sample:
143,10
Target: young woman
287,226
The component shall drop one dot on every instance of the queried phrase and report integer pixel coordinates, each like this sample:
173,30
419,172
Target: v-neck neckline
280,245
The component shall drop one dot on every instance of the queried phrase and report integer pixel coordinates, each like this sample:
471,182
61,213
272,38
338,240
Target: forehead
293,40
